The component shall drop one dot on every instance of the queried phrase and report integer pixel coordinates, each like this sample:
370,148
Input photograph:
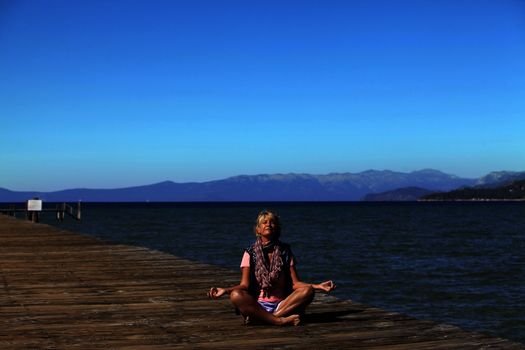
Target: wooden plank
62,290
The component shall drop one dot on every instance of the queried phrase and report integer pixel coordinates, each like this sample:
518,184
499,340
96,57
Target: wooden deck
63,290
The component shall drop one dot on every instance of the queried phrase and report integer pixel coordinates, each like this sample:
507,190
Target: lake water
457,263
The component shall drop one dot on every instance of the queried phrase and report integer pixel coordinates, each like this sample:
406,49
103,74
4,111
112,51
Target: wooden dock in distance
63,290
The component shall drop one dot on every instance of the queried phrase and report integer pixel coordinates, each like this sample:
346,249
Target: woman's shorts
270,306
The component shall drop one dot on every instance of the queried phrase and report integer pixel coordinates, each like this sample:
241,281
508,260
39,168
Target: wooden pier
63,290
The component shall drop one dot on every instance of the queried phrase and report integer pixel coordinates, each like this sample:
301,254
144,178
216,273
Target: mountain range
498,185
269,187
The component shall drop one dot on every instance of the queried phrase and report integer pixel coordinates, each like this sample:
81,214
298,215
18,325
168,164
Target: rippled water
458,263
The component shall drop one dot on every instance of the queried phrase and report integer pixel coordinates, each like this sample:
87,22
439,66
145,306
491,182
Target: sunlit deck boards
64,290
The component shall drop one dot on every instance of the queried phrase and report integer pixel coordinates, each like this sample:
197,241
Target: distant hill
264,187
399,195
499,178
494,179
513,191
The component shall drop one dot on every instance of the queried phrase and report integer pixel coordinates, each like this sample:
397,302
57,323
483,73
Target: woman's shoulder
250,248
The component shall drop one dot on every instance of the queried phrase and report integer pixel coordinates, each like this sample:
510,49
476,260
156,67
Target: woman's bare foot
290,320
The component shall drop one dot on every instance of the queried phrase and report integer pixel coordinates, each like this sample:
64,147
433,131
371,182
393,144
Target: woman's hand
326,286
216,293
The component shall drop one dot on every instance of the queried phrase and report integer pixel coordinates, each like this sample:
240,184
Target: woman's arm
217,292
326,286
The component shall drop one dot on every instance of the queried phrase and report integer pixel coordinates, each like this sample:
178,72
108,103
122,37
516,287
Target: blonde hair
267,214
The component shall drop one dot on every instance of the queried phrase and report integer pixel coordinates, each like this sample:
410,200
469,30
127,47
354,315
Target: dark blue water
458,263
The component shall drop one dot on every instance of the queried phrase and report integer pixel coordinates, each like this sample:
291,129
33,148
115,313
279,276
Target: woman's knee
238,296
307,292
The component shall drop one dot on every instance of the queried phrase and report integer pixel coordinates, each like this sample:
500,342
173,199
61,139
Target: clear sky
105,94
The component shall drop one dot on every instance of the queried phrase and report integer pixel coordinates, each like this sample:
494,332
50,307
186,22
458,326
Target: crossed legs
287,313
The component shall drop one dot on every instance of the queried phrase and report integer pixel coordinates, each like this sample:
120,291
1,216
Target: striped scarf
266,275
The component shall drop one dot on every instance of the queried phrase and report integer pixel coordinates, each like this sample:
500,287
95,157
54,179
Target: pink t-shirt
277,293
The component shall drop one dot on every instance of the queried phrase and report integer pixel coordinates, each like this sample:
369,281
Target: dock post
79,212
61,208
12,210
34,216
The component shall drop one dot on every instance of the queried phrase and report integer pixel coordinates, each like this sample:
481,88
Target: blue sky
105,94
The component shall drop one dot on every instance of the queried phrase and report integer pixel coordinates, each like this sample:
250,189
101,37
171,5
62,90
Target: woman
270,290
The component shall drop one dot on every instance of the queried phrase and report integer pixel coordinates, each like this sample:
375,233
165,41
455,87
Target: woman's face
266,227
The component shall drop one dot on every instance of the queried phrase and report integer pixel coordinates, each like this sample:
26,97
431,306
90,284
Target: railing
61,210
